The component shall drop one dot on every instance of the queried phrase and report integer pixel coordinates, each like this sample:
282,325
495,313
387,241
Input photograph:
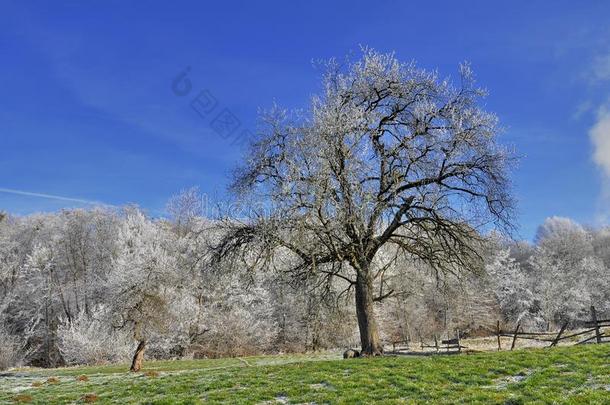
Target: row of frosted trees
90,286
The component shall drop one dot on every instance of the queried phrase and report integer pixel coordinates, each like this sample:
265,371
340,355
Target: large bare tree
390,159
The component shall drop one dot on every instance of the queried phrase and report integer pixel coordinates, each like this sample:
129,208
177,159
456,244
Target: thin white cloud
52,197
600,138
583,108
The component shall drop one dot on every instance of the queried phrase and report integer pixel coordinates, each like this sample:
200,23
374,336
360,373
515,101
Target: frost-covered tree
389,154
510,287
561,270
85,248
185,210
601,244
46,305
143,281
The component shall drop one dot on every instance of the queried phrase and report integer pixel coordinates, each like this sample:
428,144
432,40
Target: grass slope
571,375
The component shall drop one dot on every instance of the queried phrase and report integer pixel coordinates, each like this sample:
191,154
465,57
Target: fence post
598,335
515,336
498,333
436,342
458,340
565,325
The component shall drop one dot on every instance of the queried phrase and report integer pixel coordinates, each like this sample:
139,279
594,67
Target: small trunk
369,334
138,357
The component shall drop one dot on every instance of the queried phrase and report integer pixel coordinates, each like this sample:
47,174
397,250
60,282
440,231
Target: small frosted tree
144,270
510,287
561,270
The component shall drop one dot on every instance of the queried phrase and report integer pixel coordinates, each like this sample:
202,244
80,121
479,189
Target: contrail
52,197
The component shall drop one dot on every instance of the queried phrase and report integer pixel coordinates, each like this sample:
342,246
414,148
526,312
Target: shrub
88,340
10,353
242,326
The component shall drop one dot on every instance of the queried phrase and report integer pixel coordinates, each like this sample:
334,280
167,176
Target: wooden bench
453,344
450,345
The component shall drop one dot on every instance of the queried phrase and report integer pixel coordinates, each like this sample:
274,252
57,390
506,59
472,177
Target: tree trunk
369,334
138,357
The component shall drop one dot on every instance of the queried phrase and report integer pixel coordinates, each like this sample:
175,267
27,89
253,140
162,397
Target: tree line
87,286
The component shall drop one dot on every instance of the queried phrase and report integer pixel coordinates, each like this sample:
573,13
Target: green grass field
570,375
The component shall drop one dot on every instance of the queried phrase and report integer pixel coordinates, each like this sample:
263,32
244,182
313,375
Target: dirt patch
89,398
52,380
22,398
152,374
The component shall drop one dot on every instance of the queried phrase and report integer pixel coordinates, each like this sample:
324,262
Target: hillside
571,375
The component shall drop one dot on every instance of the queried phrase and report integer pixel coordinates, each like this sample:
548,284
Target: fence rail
553,338
595,325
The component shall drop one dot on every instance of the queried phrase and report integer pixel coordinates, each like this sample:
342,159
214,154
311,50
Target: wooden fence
454,345
595,325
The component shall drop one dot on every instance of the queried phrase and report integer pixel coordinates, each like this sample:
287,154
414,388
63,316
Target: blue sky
87,110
